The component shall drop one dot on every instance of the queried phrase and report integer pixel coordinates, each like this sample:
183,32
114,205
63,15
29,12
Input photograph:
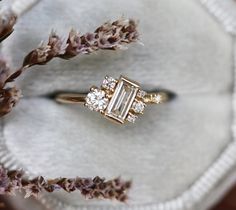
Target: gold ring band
80,98
119,100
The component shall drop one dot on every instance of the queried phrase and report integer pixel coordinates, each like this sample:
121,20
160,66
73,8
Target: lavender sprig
109,36
90,188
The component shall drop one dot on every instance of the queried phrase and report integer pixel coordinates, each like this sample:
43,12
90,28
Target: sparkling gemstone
141,93
122,100
96,100
157,98
131,118
109,83
138,106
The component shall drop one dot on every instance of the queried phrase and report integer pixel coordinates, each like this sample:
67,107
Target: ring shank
71,98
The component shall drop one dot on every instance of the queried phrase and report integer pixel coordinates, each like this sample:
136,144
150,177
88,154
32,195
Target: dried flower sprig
109,36
12,181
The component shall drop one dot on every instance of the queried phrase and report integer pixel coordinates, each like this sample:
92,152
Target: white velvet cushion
172,145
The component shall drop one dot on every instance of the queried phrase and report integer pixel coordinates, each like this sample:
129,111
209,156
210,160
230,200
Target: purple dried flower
4,181
67,184
109,36
11,181
7,21
56,44
8,99
4,72
38,56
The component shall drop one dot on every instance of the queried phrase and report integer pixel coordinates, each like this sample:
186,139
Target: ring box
180,155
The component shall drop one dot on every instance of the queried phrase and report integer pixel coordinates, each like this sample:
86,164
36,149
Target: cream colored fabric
185,50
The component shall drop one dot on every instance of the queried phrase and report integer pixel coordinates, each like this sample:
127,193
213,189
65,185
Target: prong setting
138,106
157,98
141,94
96,100
131,118
109,83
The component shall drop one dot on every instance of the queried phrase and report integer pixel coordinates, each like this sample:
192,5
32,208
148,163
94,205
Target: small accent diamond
109,83
131,118
157,98
138,106
96,100
141,93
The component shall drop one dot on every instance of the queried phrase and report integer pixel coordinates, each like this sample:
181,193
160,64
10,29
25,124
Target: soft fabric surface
185,50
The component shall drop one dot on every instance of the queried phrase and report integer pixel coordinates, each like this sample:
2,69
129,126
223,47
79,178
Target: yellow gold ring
120,100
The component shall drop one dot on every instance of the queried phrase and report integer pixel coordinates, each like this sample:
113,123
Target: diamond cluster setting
119,100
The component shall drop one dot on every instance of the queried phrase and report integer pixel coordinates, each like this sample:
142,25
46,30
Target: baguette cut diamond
122,99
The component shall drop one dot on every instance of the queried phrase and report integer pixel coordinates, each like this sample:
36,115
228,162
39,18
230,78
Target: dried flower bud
14,178
56,47
67,184
73,42
38,56
7,21
8,99
4,72
4,181
32,190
